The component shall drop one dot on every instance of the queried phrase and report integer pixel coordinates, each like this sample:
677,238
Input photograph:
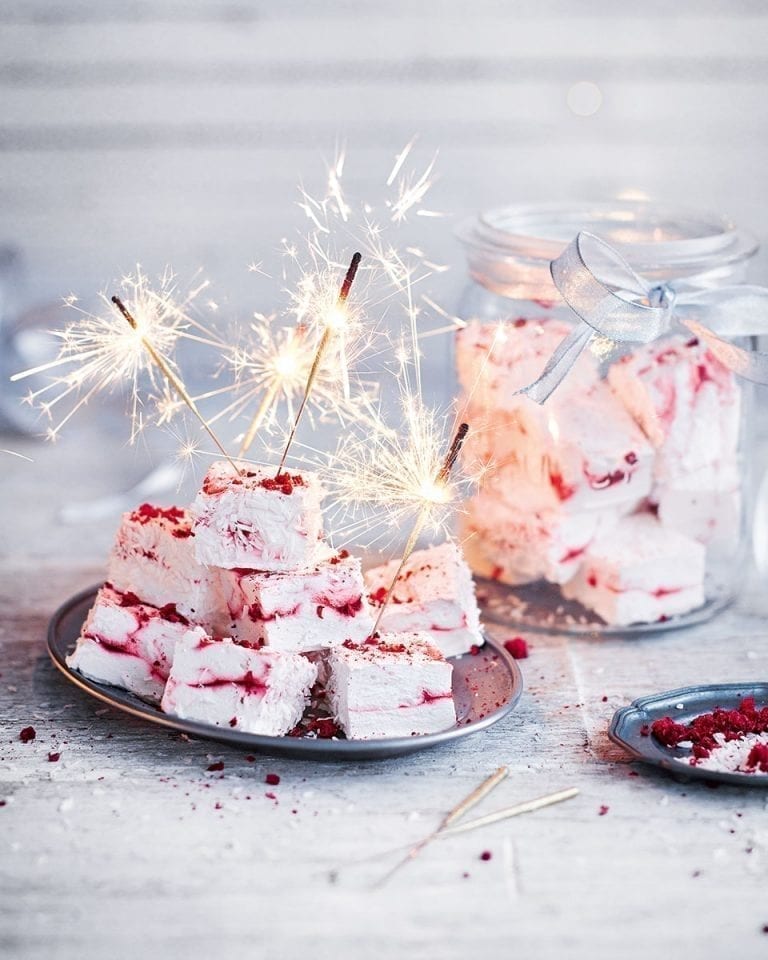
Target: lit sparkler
171,377
434,492
99,352
334,321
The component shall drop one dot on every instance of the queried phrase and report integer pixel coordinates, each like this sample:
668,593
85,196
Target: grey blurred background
165,131
172,132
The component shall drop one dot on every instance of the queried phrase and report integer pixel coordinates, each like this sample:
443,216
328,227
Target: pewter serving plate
486,688
683,706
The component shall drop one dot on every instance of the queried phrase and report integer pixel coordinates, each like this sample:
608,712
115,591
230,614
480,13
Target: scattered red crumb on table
486,855
272,779
213,767
53,757
516,647
603,810
27,734
270,796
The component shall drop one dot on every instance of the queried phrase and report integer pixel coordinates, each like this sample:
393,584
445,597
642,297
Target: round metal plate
486,688
683,706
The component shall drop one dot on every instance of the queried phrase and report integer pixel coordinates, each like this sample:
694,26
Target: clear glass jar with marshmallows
621,503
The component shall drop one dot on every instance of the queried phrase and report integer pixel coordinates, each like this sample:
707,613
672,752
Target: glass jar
621,503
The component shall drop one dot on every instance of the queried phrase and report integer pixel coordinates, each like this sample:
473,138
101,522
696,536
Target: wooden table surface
128,846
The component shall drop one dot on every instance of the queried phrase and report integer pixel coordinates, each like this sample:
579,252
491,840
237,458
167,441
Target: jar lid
509,249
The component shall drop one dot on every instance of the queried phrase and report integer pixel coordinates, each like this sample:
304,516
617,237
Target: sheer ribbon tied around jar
614,302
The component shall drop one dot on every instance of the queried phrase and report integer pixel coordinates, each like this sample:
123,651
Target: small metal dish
486,687
683,706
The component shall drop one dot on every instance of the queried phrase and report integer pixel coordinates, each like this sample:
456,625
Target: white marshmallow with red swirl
685,400
640,572
435,595
299,611
524,532
249,520
128,644
225,684
398,686
153,557
494,360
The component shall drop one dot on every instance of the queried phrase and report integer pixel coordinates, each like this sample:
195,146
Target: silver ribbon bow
613,301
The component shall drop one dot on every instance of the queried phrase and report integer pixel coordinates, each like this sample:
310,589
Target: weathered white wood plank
381,35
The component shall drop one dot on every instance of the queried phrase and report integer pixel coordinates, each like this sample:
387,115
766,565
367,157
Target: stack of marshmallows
614,488
237,612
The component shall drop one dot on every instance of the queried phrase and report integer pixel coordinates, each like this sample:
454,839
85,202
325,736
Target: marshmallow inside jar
621,502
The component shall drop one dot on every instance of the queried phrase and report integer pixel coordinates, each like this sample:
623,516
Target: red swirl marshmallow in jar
396,685
434,595
221,682
246,518
153,557
128,644
689,405
639,572
301,611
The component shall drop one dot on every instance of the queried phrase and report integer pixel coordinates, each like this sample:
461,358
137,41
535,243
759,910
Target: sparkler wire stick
323,345
258,417
173,379
528,806
441,479
458,811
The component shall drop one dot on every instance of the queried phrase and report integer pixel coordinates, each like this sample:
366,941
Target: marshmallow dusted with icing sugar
248,519
220,682
398,685
153,557
128,644
434,594
299,611
640,572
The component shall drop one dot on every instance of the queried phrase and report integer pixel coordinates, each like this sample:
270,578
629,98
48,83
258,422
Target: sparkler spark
334,321
432,493
100,352
172,378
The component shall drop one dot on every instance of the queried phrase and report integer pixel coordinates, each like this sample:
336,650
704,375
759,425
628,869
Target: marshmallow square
128,644
299,611
226,684
250,520
153,557
639,572
396,686
434,595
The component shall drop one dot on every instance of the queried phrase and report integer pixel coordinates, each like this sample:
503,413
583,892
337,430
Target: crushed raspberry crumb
517,648
27,734
250,758
270,796
284,482
213,767
758,757
53,757
603,810
233,721
474,649
486,855
701,731
645,730
147,512
272,779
